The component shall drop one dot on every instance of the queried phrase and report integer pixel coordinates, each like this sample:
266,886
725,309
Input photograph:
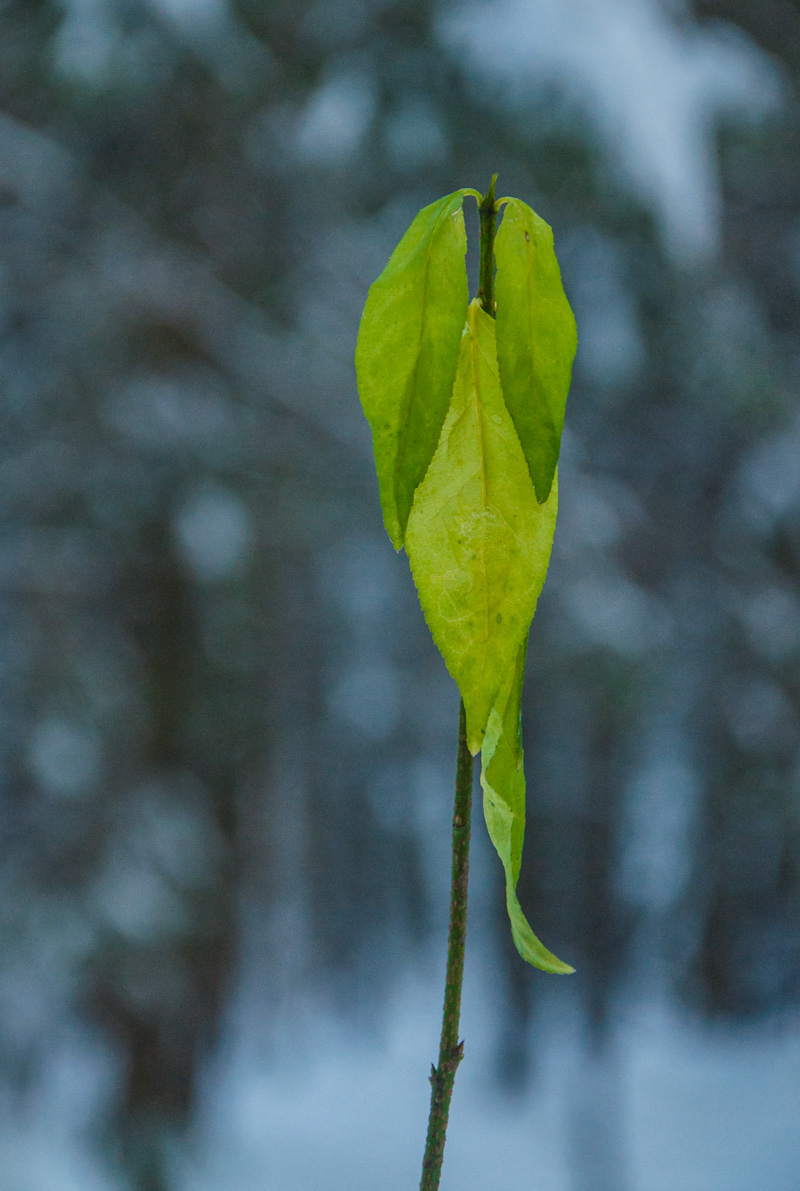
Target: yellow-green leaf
536,338
407,351
503,782
477,539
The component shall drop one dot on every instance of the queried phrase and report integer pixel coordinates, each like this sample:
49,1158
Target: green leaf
477,539
536,338
407,351
503,782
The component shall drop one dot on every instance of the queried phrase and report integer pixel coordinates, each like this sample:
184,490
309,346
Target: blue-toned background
226,740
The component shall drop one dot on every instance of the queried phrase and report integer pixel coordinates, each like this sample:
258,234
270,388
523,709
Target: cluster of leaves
466,412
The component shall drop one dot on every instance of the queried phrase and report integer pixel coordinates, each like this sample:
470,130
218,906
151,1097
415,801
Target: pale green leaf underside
536,338
407,350
477,538
503,782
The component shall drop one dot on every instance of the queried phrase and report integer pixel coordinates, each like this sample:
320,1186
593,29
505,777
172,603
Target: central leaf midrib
531,318
412,380
474,349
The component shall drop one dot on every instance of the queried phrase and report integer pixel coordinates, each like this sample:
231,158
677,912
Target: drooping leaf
503,782
477,539
407,351
536,338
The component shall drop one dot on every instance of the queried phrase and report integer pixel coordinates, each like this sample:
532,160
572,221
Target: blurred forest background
227,742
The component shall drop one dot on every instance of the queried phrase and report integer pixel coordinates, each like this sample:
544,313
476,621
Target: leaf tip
562,969
392,523
542,490
539,957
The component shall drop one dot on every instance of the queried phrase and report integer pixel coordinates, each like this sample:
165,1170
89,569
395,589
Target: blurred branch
137,267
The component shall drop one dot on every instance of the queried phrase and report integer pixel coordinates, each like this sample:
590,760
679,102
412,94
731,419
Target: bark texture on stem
450,1049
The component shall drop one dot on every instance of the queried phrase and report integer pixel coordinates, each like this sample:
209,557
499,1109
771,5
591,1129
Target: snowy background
226,741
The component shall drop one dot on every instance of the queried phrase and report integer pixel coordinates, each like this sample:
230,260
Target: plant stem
451,1051
488,215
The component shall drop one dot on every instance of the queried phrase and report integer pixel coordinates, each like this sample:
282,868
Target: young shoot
466,403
